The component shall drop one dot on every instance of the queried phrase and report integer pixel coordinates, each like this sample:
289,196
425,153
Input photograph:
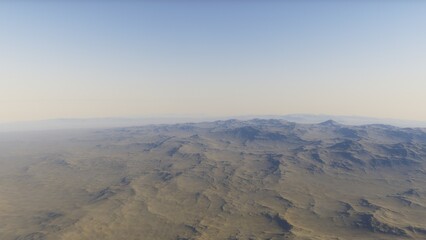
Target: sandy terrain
256,179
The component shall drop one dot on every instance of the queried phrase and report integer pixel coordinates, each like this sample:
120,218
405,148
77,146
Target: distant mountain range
87,123
352,120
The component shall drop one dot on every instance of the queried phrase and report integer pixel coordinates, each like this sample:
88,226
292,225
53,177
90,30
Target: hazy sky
214,58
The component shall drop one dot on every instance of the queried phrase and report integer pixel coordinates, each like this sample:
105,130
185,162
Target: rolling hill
253,179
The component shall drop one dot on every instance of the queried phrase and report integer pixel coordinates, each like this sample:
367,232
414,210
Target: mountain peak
330,123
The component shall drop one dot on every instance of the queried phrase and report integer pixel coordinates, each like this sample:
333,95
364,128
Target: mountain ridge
87,123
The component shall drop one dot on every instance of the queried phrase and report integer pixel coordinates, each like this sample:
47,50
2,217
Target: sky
89,59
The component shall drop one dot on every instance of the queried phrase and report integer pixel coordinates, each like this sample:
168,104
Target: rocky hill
255,179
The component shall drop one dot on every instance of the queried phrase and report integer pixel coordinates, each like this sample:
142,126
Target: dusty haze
94,59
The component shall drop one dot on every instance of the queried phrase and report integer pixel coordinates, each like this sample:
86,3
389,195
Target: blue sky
215,58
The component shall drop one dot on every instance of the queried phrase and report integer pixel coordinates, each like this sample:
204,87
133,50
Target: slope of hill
255,179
